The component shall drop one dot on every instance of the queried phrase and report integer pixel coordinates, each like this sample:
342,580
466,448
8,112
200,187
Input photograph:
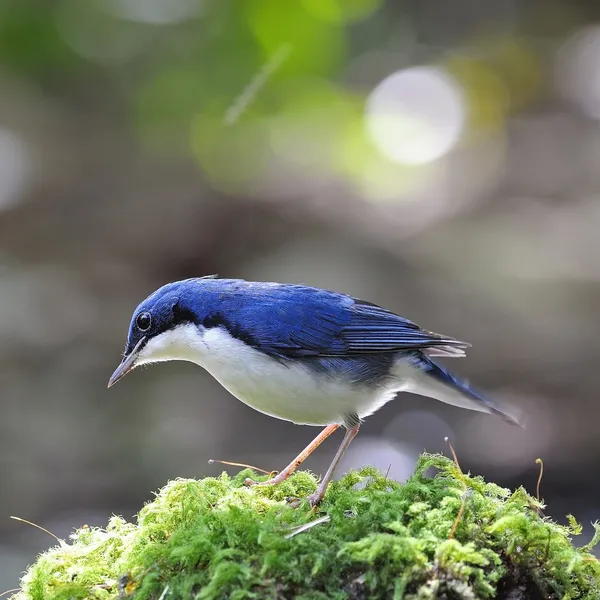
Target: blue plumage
298,353
292,320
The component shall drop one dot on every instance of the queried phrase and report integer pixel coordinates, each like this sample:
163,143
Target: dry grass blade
454,457
461,510
237,464
539,461
39,527
164,593
307,526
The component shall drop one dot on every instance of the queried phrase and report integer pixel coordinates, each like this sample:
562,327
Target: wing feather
375,329
298,321
318,323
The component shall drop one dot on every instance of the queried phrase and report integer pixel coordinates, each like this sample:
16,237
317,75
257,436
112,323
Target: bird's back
291,320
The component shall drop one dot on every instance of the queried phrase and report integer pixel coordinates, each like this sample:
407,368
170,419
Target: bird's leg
283,475
315,498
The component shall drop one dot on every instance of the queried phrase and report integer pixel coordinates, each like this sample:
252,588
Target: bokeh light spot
578,70
397,459
415,116
341,11
317,46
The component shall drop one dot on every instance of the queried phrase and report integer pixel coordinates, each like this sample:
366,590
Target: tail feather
447,351
436,382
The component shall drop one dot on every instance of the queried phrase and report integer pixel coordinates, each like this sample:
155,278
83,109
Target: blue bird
298,353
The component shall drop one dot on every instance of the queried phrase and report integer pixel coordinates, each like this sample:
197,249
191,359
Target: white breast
286,390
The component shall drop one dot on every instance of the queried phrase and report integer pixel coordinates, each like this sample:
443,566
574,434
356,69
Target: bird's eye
143,321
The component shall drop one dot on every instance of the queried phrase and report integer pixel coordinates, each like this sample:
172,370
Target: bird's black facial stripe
182,316
237,331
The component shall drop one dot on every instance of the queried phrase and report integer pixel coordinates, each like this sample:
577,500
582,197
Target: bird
297,353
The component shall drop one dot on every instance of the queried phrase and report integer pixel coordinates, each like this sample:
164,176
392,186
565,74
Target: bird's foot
313,500
250,482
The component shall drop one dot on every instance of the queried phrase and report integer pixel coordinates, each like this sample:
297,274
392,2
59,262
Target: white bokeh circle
416,115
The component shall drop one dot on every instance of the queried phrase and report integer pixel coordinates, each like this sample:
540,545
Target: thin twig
461,510
236,464
9,591
539,461
39,527
164,593
307,526
447,440
458,516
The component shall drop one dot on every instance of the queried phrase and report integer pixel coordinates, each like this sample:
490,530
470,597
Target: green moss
215,538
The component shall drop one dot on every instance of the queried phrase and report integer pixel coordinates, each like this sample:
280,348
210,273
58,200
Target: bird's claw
313,501
276,478
252,482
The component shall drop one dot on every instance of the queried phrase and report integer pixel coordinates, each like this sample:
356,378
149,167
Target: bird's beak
127,364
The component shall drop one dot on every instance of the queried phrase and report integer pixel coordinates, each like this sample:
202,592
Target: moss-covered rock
442,534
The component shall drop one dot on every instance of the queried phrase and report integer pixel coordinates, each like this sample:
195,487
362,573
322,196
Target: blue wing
294,321
375,329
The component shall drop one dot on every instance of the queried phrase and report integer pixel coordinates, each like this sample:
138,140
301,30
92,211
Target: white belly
286,390
290,390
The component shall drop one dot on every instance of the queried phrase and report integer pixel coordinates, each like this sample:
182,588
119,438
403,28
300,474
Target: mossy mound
440,535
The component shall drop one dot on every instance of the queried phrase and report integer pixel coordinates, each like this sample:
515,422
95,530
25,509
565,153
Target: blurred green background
440,158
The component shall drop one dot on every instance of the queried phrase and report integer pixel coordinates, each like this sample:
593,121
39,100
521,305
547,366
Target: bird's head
162,328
